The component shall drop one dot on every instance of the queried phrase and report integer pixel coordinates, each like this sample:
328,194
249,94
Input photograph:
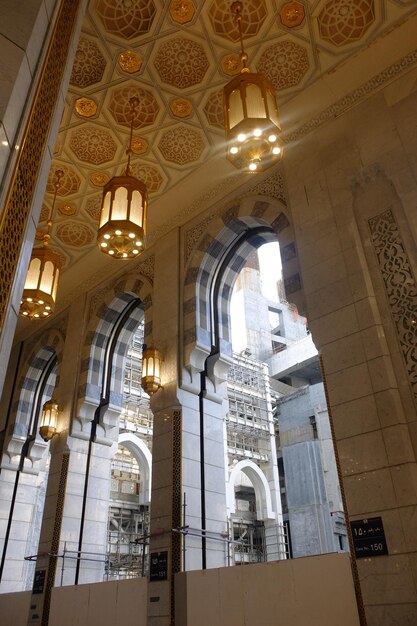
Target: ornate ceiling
176,56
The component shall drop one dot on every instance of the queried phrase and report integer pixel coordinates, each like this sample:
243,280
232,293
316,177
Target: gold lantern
251,115
39,292
151,370
122,225
49,420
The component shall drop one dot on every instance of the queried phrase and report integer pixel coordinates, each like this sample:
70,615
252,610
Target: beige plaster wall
14,608
113,603
317,591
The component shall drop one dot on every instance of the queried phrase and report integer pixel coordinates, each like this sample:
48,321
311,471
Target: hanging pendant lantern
49,420
122,225
39,293
251,116
151,370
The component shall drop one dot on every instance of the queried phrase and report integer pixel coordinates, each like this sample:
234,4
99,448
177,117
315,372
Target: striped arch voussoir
238,221
106,305
48,343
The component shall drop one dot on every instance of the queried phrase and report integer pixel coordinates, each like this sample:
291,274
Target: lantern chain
133,102
237,8
58,175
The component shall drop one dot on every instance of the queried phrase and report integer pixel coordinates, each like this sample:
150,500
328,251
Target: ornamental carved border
19,199
400,286
353,98
176,511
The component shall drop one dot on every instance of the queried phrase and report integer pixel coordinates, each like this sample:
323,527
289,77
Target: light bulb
272,138
257,132
276,150
234,150
253,167
117,232
241,137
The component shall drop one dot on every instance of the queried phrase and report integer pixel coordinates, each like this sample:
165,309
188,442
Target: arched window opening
249,545
29,478
128,520
288,436
129,507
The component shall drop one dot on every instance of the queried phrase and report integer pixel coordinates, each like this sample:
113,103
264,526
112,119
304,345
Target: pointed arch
143,456
213,266
116,312
260,484
40,372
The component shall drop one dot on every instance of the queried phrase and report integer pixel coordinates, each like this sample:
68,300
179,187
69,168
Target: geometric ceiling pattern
176,56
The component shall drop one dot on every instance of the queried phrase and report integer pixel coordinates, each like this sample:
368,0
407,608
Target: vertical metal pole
63,563
184,506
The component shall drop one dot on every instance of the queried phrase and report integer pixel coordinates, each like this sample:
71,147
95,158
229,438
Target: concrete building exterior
341,203
275,332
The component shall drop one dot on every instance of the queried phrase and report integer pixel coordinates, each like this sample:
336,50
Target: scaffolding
127,549
249,425
249,416
128,521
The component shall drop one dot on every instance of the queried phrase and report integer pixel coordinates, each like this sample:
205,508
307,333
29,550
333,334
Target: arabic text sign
369,537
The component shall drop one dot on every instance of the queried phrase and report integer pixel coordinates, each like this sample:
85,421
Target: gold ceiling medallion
181,11
67,209
129,62
251,115
85,107
122,225
139,145
231,64
39,292
292,14
99,179
180,107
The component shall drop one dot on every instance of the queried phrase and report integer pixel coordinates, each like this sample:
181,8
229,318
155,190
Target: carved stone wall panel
214,110
92,144
149,175
126,18
400,286
89,64
284,64
181,62
181,145
93,206
147,109
223,23
75,234
343,21
69,184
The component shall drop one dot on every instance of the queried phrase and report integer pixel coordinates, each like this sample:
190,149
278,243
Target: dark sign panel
159,566
39,581
369,537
